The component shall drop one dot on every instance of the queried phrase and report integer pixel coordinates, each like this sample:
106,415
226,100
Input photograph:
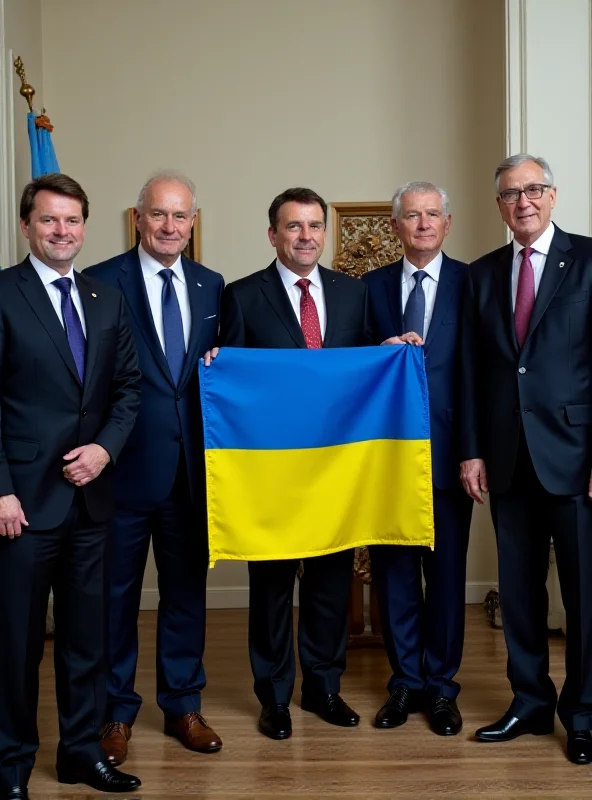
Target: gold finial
26,89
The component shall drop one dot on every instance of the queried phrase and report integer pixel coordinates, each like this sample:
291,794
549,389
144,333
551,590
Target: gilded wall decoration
193,249
362,237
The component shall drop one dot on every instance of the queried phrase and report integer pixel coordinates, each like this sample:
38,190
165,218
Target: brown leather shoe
116,735
194,733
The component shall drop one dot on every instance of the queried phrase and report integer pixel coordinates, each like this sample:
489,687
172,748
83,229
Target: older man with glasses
526,438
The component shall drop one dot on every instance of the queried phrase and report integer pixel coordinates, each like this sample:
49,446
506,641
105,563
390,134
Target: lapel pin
199,284
93,294
561,264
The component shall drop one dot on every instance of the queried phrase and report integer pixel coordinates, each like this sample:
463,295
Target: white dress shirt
294,292
154,284
538,260
48,276
429,285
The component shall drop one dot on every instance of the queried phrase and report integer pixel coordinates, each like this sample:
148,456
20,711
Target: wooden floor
321,762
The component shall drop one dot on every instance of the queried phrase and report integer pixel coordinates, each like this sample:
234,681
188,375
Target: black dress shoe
103,776
275,721
403,701
510,727
15,793
332,709
444,716
579,747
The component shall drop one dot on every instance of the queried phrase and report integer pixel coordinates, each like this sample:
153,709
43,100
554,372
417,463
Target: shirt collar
289,278
151,267
542,244
47,274
432,269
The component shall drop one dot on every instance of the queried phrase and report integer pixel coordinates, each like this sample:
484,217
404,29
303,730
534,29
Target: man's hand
86,463
406,338
474,478
210,356
12,516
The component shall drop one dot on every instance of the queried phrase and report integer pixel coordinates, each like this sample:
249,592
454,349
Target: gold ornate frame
363,238
193,249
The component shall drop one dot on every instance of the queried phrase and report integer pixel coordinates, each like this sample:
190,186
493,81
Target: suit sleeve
370,333
232,323
470,439
125,391
6,486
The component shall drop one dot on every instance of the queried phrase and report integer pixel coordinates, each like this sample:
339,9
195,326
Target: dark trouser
424,636
322,625
69,558
526,518
178,531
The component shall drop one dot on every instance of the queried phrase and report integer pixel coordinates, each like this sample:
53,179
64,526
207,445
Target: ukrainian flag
310,452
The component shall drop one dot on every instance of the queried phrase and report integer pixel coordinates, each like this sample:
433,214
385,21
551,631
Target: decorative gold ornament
363,238
26,89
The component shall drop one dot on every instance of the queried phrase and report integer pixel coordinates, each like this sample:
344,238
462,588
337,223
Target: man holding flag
295,303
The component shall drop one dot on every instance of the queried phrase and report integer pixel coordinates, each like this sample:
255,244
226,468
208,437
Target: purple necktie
524,296
72,325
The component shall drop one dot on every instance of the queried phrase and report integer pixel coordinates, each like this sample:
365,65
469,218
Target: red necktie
309,318
524,296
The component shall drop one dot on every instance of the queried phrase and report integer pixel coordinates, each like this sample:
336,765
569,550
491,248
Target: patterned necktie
172,322
524,296
73,326
414,316
309,318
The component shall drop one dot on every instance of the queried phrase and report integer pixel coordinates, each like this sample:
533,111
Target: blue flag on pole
43,157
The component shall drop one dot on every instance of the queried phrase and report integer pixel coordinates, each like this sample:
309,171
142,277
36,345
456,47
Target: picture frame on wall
363,238
193,249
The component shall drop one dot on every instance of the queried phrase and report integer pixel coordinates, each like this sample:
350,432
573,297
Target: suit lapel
36,295
197,314
502,275
132,285
446,282
556,267
91,304
332,304
392,288
273,289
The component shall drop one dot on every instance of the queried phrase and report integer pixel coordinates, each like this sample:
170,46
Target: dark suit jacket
169,416
546,387
441,349
44,410
256,312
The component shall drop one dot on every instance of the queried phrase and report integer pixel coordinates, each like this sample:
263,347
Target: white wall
351,98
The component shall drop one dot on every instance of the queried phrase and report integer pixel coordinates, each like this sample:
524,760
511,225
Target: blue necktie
72,325
414,315
174,340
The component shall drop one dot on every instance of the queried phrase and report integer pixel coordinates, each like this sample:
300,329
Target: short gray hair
167,175
522,158
419,187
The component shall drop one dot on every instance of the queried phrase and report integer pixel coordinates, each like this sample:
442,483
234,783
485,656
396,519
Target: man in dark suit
173,305
526,417
297,303
69,393
418,300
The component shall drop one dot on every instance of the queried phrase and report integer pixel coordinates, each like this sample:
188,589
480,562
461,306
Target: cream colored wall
250,97
23,36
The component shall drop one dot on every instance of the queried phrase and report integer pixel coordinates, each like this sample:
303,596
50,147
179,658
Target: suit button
177,397
516,411
522,370
83,412
527,410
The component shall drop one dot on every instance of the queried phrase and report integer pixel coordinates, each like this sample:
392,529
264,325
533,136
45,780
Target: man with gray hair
418,300
526,424
173,305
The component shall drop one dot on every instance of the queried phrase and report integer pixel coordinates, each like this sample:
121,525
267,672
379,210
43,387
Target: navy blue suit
160,495
424,636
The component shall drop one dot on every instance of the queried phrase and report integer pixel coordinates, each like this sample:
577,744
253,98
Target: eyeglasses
532,192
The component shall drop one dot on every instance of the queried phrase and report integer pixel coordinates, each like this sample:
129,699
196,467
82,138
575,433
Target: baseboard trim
238,596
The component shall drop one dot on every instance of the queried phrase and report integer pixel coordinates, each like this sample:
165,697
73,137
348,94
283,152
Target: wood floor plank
321,762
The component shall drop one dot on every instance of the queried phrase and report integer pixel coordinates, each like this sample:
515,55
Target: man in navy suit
173,305
417,300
